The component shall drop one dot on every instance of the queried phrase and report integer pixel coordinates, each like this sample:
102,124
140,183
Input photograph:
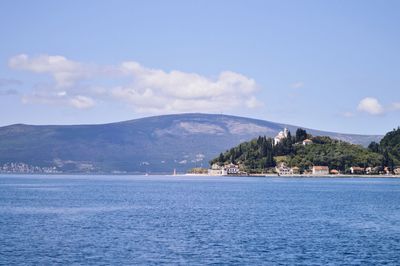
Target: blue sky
330,65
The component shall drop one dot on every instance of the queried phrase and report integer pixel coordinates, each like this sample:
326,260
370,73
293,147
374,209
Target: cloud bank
371,106
64,71
147,90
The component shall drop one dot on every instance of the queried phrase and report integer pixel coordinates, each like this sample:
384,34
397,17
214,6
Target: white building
217,170
232,169
397,171
369,170
281,135
307,142
356,170
282,169
320,170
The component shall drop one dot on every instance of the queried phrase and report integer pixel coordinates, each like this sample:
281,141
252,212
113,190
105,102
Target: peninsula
310,155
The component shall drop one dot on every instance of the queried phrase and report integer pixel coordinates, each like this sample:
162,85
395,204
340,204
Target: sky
328,65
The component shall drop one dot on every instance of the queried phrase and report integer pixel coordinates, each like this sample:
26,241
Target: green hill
389,147
259,155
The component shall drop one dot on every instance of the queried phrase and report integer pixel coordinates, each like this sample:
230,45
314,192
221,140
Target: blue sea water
130,220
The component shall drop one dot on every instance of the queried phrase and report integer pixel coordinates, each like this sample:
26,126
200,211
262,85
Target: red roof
321,168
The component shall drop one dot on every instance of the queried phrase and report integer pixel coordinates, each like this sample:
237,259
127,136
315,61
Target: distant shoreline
338,175
302,176
202,175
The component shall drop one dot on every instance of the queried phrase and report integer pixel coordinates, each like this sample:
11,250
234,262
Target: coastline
333,176
297,176
203,175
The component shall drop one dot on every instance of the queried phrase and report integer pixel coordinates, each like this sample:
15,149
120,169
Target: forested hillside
260,154
389,147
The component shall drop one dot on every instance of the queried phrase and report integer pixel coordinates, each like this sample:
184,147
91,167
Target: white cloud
371,106
187,85
155,90
147,90
64,71
297,85
81,102
60,98
252,102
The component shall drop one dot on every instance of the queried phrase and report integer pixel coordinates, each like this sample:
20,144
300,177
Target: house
320,170
232,169
397,171
355,170
282,169
307,142
295,170
334,172
386,170
377,170
217,170
369,170
281,135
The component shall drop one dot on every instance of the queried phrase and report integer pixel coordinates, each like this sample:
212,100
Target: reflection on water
198,220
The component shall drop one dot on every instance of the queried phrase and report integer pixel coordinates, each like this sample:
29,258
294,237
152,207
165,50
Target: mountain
154,144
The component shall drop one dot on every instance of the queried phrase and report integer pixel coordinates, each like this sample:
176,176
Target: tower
285,132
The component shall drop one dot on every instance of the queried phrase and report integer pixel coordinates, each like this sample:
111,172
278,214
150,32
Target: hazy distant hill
153,144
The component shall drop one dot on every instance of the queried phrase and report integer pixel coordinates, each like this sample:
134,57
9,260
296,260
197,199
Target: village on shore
283,169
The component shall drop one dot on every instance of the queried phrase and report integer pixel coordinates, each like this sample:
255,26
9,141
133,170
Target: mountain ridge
156,144
179,114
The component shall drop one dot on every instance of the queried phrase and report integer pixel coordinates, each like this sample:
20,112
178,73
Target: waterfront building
320,170
217,170
369,170
355,170
282,169
334,172
295,170
232,169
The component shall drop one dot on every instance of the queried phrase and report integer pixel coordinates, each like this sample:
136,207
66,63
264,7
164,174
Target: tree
301,135
221,159
390,147
373,146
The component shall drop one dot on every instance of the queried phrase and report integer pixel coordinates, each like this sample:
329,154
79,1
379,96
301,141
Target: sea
198,220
